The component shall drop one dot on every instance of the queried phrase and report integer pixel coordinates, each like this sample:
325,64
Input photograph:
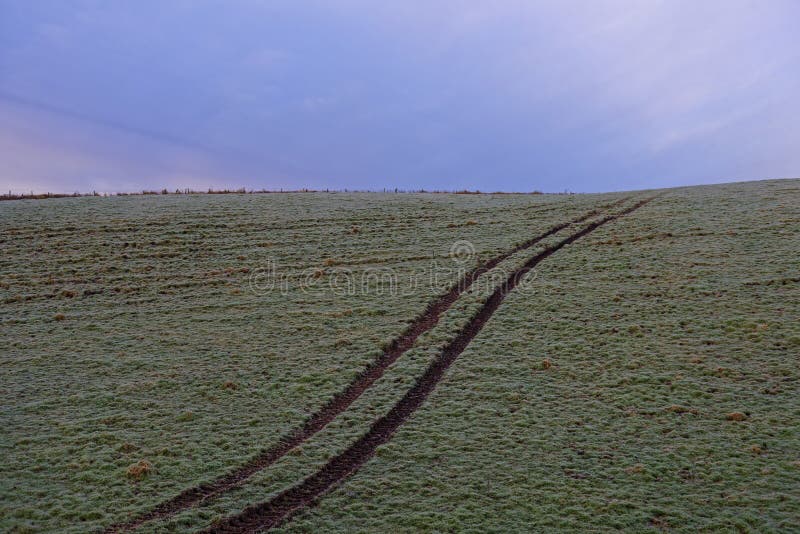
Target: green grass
158,316
634,321
657,327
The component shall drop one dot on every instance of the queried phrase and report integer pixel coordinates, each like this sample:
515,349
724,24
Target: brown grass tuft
736,416
546,364
127,447
342,342
660,523
635,469
139,470
330,262
229,385
675,408
59,317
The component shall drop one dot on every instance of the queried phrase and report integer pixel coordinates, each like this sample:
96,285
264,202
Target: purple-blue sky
510,95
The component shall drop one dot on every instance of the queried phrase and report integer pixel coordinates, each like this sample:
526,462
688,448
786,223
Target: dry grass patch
675,408
127,448
139,470
635,469
736,416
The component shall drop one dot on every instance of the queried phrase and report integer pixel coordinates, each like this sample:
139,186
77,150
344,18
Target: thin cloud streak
149,134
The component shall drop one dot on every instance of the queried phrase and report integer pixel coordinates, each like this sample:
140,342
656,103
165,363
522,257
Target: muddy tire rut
266,515
341,401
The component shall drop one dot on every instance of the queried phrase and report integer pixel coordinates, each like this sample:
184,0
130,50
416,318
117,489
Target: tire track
271,513
342,400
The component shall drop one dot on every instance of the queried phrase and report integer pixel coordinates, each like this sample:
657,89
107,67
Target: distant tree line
244,191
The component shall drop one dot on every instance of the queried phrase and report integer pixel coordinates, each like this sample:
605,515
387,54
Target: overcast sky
506,95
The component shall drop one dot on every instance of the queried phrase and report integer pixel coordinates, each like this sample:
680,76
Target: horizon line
32,195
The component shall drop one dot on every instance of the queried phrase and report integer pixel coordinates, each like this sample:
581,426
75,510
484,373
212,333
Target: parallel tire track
271,513
342,400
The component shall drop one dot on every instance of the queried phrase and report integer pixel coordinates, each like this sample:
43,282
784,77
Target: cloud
517,95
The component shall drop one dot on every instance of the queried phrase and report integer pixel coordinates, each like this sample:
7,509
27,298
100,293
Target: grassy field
643,376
